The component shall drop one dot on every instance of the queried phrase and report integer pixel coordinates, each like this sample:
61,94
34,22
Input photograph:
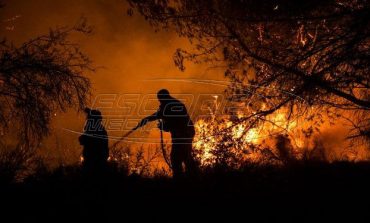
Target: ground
299,193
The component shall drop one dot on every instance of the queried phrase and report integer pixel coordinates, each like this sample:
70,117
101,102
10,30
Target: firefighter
175,119
95,144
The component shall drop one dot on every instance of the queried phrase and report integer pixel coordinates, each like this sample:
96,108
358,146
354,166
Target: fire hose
122,138
164,152
160,126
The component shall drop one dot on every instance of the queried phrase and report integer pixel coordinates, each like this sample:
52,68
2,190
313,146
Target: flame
257,142
239,137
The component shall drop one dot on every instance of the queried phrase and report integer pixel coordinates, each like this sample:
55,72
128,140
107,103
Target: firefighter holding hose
175,119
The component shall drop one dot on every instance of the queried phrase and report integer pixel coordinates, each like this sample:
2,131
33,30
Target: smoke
130,56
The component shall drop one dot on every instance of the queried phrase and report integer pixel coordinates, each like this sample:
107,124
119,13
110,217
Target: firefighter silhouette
95,143
175,119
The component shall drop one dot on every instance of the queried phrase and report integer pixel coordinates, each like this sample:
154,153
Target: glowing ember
239,138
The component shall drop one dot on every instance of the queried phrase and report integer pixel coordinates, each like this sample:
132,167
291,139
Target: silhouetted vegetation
42,76
302,193
307,57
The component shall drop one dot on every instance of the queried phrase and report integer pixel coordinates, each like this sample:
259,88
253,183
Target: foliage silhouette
40,77
298,55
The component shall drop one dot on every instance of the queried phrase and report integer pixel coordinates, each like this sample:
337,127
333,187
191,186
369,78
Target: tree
40,77
279,54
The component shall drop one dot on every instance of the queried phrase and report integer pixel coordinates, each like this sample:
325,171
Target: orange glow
135,59
211,134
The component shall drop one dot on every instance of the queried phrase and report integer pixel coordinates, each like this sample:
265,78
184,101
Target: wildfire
235,139
239,137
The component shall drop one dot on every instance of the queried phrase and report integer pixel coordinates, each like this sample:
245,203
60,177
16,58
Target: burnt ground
301,193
